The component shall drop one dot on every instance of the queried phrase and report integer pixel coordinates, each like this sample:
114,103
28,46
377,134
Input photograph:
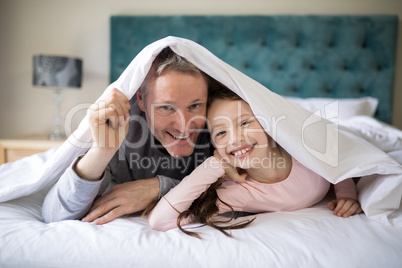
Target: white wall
81,28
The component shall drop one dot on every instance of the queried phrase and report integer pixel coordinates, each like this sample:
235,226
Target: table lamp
58,73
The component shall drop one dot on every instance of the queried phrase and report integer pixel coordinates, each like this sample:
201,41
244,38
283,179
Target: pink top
301,189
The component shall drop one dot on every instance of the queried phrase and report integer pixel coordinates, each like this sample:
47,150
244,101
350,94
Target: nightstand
14,149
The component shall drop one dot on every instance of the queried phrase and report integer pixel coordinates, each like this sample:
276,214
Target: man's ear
140,101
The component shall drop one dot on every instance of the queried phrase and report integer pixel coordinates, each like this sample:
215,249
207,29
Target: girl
269,180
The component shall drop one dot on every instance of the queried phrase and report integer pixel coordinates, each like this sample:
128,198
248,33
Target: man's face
175,108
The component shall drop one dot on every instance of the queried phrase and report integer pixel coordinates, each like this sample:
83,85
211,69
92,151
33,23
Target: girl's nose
236,137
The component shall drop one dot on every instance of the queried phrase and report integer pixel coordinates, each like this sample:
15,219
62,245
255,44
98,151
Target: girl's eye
245,123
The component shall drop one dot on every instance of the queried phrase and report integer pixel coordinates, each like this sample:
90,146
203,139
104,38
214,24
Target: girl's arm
346,189
164,216
346,203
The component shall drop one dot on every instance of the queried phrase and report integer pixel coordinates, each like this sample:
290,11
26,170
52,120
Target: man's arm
123,199
75,191
108,122
128,198
71,197
165,184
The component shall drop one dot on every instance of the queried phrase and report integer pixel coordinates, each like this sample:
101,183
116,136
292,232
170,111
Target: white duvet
317,143
311,237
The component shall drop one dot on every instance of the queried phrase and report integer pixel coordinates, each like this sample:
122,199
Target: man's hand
108,121
345,207
123,199
230,171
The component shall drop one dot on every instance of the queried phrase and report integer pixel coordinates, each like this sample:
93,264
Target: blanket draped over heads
321,145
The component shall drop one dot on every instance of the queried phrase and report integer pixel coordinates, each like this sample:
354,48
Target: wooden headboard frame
301,56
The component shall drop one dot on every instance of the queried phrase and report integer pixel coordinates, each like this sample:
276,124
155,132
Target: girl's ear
140,101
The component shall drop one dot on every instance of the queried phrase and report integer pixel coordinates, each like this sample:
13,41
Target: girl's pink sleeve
164,216
346,189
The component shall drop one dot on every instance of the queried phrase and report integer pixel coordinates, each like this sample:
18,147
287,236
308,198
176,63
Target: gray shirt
141,156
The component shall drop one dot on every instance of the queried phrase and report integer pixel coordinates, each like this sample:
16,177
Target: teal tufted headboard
303,56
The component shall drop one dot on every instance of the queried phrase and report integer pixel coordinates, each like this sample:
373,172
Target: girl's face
237,135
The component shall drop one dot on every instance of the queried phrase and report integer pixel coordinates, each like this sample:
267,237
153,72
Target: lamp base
57,137
57,133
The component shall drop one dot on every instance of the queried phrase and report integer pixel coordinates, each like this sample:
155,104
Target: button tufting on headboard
306,56
379,68
327,91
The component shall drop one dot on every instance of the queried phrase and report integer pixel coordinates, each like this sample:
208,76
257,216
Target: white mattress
311,237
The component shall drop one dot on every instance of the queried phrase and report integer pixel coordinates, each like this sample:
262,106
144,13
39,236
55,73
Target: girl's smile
241,140
243,151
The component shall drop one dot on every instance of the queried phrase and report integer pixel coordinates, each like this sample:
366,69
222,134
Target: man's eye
195,106
166,107
165,110
220,133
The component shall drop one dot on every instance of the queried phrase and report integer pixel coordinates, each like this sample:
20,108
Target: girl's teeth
240,152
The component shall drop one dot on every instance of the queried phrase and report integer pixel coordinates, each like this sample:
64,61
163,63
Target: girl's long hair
204,208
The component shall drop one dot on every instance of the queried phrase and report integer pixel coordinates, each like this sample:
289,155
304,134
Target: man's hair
168,60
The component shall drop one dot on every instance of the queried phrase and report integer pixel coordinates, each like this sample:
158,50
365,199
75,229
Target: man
144,159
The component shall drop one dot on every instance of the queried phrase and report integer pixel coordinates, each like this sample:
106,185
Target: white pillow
338,109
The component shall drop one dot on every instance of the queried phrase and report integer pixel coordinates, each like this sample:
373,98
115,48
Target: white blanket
311,237
317,143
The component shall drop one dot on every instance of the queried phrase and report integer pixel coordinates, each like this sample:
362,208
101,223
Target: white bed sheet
314,141
311,237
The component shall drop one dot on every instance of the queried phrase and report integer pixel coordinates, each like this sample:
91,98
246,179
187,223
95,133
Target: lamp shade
57,71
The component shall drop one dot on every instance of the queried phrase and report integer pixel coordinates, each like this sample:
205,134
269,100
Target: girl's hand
230,171
345,207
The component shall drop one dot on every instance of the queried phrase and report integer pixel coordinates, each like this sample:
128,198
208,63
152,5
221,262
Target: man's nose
182,120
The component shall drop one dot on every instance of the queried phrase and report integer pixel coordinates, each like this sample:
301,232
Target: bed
313,61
